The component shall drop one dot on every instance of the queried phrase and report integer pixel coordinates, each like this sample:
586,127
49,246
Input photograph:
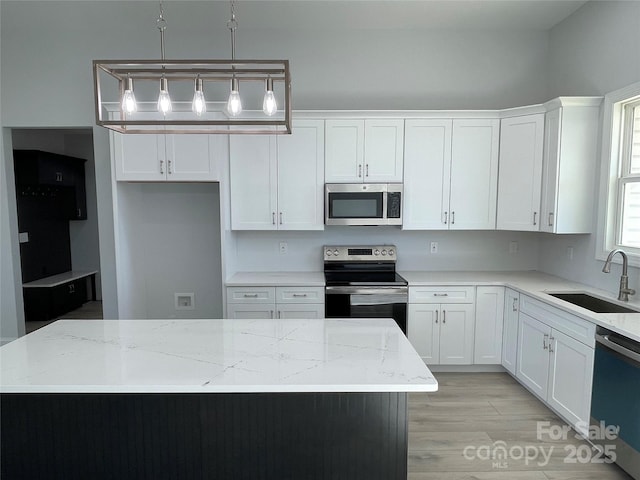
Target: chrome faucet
625,291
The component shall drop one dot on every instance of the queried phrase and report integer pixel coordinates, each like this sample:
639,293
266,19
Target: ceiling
394,14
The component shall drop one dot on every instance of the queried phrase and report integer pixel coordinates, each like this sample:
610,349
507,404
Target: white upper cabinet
570,163
160,157
474,174
364,151
451,174
520,177
277,181
427,173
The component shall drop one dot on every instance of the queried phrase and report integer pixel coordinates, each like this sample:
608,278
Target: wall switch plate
23,237
184,301
513,247
434,247
284,248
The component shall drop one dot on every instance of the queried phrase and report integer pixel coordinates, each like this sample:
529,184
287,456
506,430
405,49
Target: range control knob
391,252
376,252
329,253
336,252
384,252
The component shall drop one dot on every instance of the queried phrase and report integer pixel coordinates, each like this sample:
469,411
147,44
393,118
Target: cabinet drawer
442,294
251,294
300,295
572,325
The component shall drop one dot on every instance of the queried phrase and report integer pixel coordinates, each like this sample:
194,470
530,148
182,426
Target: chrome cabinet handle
161,167
551,219
271,313
299,294
279,314
544,341
367,170
360,170
440,294
273,218
79,212
58,176
514,307
534,217
436,316
280,218
445,217
250,295
453,218
551,339
444,316
169,167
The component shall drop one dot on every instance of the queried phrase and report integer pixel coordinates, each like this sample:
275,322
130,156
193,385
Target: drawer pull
250,295
436,316
544,342
444,316
440,294
299,294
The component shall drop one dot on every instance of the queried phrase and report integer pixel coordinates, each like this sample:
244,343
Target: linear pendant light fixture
152,107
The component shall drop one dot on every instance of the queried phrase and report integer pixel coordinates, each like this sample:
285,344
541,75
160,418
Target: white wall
593,52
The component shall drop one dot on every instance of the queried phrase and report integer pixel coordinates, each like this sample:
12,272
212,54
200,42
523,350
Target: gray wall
593,52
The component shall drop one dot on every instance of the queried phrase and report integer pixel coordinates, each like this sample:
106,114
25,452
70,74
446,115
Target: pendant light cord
232,24
161,23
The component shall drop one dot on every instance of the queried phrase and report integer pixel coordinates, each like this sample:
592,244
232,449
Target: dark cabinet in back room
41,170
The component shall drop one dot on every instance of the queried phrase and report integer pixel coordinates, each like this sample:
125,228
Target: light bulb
269,105
129,104
234,104
164,100
199,105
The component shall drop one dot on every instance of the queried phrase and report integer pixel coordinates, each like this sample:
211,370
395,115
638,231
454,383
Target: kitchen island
281,398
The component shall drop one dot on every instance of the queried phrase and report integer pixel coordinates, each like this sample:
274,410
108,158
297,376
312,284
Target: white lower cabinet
487,347
442,333
275,302
510,330
555,359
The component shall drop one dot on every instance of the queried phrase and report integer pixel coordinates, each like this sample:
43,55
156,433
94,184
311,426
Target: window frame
611,178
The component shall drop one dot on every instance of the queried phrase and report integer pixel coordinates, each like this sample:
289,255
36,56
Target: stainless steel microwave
363,204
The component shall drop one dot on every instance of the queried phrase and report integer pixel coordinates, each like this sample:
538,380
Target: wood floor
469,413
88,311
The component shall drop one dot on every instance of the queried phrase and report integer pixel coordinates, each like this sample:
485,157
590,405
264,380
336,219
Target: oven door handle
607,342
366,290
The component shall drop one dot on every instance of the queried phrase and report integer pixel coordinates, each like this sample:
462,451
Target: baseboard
467,368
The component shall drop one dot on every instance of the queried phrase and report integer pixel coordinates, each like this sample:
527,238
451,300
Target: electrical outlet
184,301
570,253
513,247
434,247
284,248
23,237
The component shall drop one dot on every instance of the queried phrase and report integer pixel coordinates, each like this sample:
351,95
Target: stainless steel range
361,282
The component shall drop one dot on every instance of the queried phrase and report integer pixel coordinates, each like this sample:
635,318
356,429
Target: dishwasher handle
616,347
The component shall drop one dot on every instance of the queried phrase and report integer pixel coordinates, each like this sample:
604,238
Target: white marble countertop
214,356
280,279
59,279
539,285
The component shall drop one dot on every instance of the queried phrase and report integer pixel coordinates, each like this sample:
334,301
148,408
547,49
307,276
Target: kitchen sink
592,303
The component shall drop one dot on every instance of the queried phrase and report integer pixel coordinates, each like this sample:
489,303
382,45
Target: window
619,217
629,180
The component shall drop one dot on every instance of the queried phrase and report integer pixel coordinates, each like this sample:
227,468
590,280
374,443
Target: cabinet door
139,157
456,334
427,170
550,171
344,151
250,311
383,150
253,175
474,174
533,354
298,310
570,377
423,331
301,177
520,177
487,347
510,330
191,158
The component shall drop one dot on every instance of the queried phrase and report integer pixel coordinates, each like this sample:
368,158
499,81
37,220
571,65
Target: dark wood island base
280,436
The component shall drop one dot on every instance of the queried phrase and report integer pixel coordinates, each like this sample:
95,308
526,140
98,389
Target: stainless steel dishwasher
615,399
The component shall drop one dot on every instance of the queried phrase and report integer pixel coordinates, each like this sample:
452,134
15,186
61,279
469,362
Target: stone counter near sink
279,279
538,285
